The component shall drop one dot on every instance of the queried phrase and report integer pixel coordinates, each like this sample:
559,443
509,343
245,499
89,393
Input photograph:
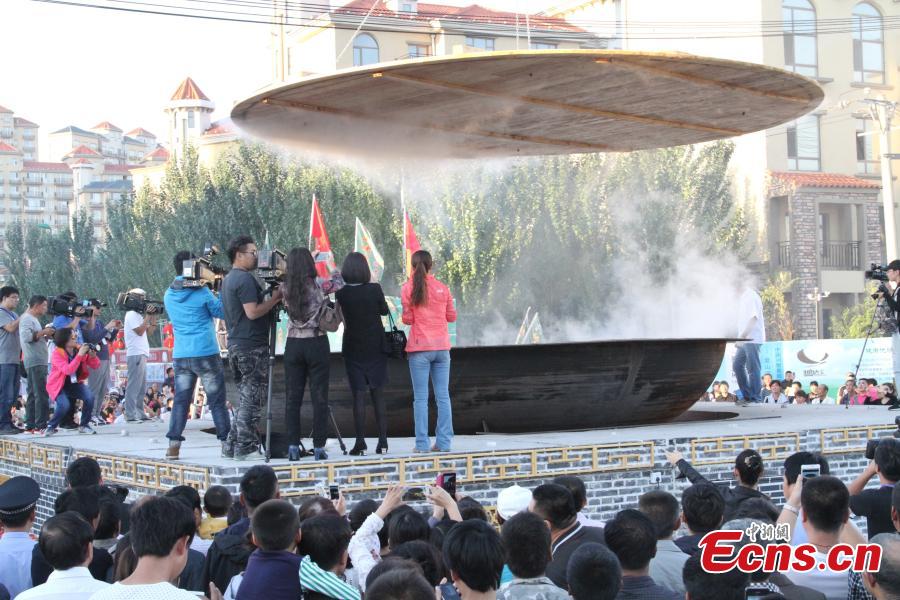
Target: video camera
271,265
72,307
129,301
199,272
877,273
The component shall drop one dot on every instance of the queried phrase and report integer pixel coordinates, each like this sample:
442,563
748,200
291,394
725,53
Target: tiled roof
188,90
33,165
221,126
159,154
3,109
824,180
20,122
107,126
140,132
78,130
119,168
119,185
82,151
473,13
7,149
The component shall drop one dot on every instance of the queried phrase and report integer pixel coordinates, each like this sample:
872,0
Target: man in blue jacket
196,354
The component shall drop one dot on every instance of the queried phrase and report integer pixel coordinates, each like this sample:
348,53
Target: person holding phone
427,308
70,367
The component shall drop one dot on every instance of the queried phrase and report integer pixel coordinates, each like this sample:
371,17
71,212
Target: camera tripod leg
337,431
866,341
272,331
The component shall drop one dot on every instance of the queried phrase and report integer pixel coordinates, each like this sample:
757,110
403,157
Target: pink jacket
429,321
62,368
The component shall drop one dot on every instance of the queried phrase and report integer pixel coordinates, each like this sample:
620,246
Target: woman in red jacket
65,384
427,308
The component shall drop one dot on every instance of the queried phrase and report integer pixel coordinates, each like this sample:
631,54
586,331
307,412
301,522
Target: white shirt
749,306
154,591
135,345
76,583
15,561
782,399
834,585
667,566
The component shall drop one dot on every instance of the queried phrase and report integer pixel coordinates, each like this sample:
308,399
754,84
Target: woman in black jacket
748,468
362,305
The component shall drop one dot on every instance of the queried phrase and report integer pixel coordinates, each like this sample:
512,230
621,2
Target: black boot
359,422
380,420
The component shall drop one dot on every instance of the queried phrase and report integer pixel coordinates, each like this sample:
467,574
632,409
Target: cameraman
77,323
891,299
875,504
96,332
247,317
196,354
137,351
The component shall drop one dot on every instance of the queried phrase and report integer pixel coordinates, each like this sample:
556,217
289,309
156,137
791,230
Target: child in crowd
216,503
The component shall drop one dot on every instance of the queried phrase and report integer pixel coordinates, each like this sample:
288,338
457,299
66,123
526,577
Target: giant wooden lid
526,103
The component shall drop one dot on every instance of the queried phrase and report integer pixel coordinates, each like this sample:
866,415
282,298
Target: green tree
855,321
777,311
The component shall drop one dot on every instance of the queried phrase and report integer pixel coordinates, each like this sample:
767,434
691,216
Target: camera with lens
94,347
271,265
139,304
200,272
66,306
877,273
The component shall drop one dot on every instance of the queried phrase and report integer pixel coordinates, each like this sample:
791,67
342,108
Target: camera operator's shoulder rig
200,272
137,303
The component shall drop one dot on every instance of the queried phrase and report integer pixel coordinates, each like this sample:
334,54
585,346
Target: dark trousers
307,359
251,368
66,399
37,407
359,415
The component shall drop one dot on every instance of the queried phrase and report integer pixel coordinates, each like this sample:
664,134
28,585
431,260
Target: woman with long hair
307,354
427,308
362,305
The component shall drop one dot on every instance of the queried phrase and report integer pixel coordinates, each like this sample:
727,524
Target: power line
132,6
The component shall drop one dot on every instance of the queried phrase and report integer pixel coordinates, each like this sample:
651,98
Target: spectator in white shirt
161,531
66,543
775,396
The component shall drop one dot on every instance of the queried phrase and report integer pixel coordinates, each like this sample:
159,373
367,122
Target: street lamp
817,297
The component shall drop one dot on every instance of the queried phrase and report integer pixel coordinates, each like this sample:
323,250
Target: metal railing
840,255
784,254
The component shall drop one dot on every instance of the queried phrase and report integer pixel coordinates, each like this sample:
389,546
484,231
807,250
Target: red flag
319,244
410,243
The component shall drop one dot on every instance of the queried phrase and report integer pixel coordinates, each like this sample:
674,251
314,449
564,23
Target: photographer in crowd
9,357
195,355
247,317
875,504
137,351
33,338
101,334
70,365
888,293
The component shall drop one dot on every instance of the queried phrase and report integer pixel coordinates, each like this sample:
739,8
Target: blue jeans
70,393
211,372
435,363
9,385
747,371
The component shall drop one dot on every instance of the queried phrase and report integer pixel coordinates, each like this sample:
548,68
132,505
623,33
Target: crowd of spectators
538,546
855,391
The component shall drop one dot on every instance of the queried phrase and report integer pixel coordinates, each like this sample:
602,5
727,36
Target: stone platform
628,460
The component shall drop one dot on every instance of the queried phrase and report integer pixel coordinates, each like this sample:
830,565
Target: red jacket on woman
61,368
428,321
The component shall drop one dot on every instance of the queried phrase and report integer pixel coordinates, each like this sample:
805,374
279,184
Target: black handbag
394,343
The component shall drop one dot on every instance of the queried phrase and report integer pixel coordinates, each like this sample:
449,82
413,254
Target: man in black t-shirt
875,504
247,318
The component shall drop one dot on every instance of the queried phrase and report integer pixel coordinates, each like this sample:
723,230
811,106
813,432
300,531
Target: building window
799,25
407,7
480,43
418,50
868,44
803,144
190,119
865,147
543,46
365,50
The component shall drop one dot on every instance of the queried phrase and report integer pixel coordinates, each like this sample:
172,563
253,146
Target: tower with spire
189,114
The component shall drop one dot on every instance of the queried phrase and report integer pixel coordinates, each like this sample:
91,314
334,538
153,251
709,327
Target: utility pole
881,111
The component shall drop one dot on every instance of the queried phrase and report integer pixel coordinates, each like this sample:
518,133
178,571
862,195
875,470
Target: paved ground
149,442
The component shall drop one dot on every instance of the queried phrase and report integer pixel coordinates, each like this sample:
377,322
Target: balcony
837,256
6,132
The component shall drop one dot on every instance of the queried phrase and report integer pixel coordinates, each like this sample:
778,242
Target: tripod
868,334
